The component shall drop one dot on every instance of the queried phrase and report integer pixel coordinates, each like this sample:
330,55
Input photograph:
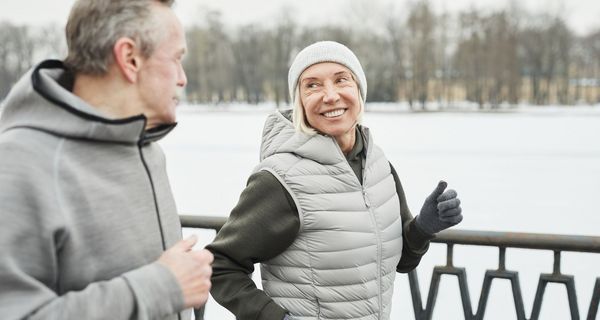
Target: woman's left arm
415,240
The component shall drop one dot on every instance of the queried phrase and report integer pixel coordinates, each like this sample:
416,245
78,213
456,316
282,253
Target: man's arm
32,238
262,225
149,292
415,240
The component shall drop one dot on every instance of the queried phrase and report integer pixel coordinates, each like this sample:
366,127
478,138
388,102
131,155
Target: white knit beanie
326,51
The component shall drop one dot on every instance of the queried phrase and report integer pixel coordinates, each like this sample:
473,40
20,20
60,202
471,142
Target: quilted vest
343,261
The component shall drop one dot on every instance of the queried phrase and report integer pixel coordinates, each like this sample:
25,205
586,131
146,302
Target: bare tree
250,62
16,54
470,59
209,65
443,72
592,47
421,44
546,48
194,64
502,61
397,37
280,48
561,44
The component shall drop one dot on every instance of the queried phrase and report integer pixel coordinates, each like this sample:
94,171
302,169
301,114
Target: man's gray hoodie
85,209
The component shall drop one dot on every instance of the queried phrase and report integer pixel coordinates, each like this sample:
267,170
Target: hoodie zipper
160,227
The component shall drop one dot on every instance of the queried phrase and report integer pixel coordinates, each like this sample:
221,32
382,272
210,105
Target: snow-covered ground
529,169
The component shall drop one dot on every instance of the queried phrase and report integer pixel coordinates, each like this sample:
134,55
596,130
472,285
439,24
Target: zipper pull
367,202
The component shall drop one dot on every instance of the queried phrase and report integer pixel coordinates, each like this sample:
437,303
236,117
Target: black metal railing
501,240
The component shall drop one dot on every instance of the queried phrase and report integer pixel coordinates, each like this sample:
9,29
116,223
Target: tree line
491,59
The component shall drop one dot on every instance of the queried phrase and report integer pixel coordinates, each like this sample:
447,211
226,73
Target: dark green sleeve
263,224
415,241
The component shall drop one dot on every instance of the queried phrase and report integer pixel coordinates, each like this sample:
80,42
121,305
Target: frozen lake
526,171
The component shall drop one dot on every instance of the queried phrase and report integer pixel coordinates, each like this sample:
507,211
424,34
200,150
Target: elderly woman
324,213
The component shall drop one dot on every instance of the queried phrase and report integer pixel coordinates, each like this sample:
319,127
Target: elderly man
89,228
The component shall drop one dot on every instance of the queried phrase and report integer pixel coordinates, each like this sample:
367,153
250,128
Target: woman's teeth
334,113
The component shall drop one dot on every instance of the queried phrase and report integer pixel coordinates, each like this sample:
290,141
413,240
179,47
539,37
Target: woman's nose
330,94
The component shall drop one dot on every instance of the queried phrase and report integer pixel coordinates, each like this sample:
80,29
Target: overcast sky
582,15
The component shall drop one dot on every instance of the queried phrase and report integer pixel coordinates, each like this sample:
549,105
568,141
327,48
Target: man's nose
181,78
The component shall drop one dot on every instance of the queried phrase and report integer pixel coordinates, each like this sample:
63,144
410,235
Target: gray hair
299,117
94,26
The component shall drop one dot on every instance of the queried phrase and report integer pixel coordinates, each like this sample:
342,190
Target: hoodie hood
280,136
42,100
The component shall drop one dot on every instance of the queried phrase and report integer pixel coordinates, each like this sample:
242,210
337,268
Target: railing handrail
540,241
501,240
203,222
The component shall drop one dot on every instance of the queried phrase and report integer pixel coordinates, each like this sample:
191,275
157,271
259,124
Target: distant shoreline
403,107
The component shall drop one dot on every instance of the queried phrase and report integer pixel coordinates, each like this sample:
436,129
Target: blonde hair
299,117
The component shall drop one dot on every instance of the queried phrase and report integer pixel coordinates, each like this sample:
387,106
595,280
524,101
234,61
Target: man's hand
440,211
192,269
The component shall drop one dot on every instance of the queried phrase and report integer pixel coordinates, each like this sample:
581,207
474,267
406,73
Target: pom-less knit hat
326,51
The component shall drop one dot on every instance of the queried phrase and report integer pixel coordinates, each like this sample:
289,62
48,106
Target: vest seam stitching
289,190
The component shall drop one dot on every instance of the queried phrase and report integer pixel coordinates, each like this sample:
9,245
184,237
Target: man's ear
127,58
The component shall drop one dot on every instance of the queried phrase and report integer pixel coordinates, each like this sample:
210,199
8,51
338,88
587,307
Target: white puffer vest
343,261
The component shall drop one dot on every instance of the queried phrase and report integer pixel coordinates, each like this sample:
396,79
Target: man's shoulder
24,145
26,165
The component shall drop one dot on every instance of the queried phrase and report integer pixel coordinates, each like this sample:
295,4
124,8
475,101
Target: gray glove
440,211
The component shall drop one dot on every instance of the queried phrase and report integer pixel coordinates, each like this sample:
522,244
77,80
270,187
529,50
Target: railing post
502,259
199,313
450,255
556,269
501,273
449,269
556,277
594,301
415,293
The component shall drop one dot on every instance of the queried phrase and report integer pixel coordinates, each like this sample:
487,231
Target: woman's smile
334,113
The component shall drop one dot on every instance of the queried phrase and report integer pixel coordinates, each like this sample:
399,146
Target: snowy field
528,170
